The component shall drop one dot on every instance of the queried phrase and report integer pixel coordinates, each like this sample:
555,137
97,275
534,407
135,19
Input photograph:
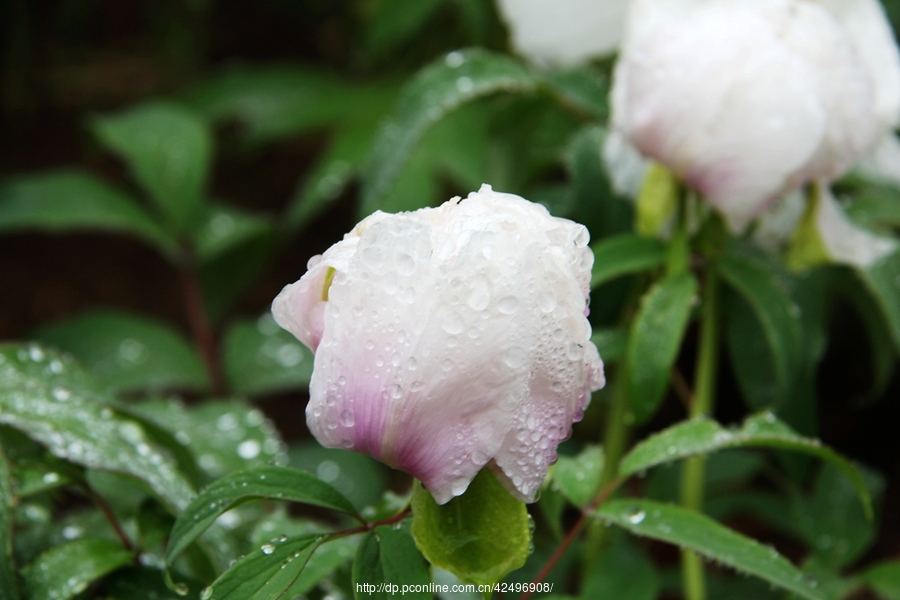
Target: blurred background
291,94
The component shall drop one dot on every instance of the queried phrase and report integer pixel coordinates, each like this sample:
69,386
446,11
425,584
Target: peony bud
747,99
564,32
449,339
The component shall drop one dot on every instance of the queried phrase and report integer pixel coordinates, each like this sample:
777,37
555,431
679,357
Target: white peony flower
564,32
449,339
748,99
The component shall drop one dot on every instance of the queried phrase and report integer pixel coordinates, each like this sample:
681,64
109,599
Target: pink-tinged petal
446,329
744,99
845,242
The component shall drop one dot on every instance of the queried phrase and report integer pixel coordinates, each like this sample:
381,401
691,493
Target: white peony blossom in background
449,339
746,100
564,32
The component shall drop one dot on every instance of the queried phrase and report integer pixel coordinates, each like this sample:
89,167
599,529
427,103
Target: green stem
693,475
614,439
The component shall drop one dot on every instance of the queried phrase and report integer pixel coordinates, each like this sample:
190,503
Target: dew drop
396,391
465,85
182,589
479,294
636,516
453,323
405,264
267,548
447,365
508,305
454,59
249,449
515,358
347,418
546,301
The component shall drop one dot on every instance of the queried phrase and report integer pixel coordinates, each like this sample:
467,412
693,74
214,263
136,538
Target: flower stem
201,329
694,470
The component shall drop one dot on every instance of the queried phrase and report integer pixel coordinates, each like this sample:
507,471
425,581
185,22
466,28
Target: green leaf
708,538
71,200
8,586
623,572
358,477
127,352
169,151
479,536
387,558
625,254
259,483
454,149
276,102
223,228
751,356
836,528
396,20
334,171
703,436
34,480
611,343
266,573
597,205
885,579
584,87
883,282
654,340
774,309
331,554
144,583
66,571
460,77
228,275
260,358
223,435
53,401
577,477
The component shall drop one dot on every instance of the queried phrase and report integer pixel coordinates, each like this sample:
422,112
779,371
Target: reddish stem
200,325
111,517
573,533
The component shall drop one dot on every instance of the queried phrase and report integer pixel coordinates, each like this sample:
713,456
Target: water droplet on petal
508,305
347,418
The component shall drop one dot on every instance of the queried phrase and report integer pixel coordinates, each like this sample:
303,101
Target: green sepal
479,536
806,248
657,201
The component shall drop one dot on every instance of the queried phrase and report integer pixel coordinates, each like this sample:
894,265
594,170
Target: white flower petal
564,32
446,329
845,242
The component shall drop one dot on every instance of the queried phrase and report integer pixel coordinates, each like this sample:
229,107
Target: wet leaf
61,201
128,353
623,572
358,477
773,308
223,435
387,558
694,531
625,254
882,280
223,228
260,358
52,400
584,87
611,343
266,573
168,149
577,477
66,571
458,78
654,340
480,536
836,528
274,483
8,585
884,577
703,436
